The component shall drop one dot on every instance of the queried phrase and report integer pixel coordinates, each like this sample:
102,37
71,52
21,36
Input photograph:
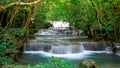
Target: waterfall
95,46
81,47
37,47
55,49
46,40
66,49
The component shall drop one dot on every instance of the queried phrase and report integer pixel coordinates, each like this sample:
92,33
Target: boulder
88,64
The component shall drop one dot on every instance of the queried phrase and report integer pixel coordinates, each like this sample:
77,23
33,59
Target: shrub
53,63
8,48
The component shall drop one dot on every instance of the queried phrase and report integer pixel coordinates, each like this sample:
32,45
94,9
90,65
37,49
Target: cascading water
65,43
54,49
65,49
53,41
61,41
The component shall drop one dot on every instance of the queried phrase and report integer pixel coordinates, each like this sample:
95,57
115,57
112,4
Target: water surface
104,60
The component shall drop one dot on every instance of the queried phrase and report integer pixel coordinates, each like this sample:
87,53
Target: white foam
118,54
60,24
68,56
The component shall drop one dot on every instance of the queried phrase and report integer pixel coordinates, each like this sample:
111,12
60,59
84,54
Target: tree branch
18,4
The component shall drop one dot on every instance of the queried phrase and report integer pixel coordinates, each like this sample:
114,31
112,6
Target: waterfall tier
65,49
62,41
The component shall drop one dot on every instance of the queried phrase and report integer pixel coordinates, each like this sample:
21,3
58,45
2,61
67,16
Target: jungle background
20,19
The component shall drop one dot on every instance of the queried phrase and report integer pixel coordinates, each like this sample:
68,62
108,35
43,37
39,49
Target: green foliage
17,32
53,63
60,63
15,18
6,2
7,49
92,16
4,60
40,21
27,9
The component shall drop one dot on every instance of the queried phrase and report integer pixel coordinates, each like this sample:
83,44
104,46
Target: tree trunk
114,49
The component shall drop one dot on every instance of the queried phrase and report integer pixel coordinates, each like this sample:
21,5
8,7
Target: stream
65,43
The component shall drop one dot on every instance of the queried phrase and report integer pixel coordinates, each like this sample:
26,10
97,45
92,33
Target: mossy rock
88,64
